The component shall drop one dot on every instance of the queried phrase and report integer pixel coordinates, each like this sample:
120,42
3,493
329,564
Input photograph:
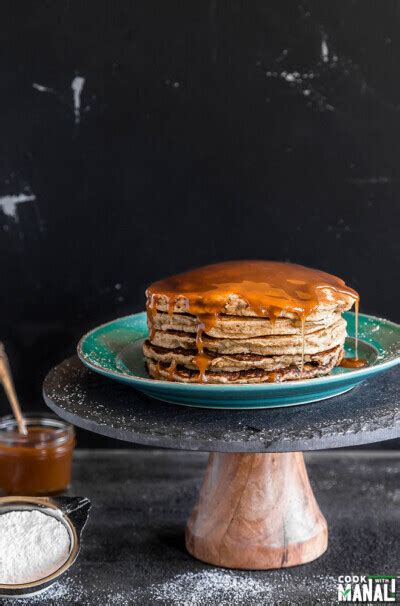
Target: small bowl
37,464
72,512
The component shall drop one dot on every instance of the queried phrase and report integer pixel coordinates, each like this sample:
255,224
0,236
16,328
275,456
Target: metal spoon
8,384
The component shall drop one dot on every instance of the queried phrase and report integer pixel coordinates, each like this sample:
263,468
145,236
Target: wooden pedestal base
256,511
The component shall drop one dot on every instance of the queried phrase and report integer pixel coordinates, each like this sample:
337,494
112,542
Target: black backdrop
198,131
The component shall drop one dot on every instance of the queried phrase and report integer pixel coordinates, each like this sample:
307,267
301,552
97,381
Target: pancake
246,322
239,327
314,342
253,375
233,362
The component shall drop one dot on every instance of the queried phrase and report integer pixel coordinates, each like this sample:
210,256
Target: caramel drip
171,370
353,362
151,314
202,362
171,306
201,359
266,288
272,377
356,306
303,323
199,339
273,314
205,322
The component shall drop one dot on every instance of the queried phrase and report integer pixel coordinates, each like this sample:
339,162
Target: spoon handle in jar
6,379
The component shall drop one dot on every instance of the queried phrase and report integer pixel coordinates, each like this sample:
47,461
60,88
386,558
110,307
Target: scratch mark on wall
77,85
43,89
324,49
320,82
302,82
8,204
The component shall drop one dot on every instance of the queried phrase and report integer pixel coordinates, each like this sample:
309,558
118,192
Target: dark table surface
133,549
368,413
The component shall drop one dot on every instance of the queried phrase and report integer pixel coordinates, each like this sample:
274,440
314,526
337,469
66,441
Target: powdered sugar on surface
209,587
32,546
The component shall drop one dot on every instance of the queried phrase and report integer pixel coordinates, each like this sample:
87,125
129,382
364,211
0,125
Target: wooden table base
256,511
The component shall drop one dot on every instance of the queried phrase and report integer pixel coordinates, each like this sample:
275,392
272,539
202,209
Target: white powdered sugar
32,546
222,587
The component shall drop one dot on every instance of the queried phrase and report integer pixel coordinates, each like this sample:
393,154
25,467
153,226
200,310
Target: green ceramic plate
115,350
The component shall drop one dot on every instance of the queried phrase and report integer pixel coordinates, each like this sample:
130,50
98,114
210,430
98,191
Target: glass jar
38,463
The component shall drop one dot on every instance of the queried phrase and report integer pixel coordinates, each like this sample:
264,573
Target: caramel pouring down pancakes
246,322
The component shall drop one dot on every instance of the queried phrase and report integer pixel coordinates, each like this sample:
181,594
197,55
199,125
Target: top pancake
252,288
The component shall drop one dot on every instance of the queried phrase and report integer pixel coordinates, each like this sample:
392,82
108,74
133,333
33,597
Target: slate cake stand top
368,413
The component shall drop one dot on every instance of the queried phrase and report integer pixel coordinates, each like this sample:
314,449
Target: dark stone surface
368,413
133,545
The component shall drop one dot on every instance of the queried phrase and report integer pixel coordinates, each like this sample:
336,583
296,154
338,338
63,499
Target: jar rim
61,431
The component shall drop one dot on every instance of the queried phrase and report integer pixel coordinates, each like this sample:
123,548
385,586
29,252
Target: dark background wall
200,131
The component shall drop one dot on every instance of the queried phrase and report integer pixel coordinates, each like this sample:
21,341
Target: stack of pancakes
241,343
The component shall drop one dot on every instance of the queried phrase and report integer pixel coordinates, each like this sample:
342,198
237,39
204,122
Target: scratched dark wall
141,138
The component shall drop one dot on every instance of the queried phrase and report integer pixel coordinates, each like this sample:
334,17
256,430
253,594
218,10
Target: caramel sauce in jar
38,463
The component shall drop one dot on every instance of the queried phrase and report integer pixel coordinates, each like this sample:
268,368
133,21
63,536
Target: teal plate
115,351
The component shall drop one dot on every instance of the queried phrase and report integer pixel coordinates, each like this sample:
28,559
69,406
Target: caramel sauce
357,304
38,467
272,377
273,314
199,339
171,305
353,362
157,370
303,325
267,287
202,362
151,313
204,323
171,370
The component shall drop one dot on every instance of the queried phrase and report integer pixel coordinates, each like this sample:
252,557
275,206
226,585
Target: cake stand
256,508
